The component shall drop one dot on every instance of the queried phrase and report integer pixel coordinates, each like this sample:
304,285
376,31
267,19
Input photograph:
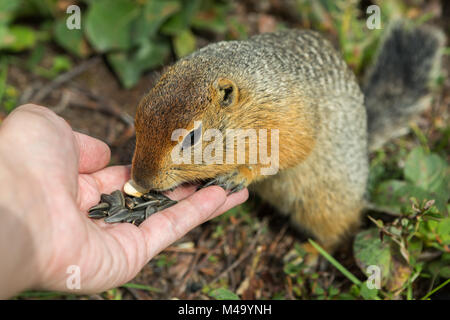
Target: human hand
53,175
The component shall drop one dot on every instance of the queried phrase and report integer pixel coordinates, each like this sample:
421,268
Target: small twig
186,250
289,288
251,274
278,238
192,268
429,255
210,253
111,134
63,102
29,92
101,105
135,293
63,78
244,256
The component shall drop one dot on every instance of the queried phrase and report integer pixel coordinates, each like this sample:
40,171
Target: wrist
18,229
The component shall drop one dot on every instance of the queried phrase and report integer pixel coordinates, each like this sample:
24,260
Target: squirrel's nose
133,189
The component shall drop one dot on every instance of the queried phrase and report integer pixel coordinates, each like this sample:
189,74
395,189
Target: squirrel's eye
192,138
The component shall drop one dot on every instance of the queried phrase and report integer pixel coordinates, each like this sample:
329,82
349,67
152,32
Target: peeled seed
129,189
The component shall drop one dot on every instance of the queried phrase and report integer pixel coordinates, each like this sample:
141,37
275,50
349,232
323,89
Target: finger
233,200
182,192
94,154
111,178
167,226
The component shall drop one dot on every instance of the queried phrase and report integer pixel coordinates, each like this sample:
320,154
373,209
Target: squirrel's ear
227,92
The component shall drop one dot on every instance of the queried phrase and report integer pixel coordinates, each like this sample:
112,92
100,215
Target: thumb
94,154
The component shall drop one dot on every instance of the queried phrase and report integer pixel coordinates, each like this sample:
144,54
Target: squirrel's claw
232,182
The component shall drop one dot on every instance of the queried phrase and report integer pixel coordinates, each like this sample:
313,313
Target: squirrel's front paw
233,182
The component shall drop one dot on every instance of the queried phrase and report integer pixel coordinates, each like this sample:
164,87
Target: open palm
67,172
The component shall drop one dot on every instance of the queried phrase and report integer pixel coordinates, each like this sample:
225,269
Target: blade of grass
436,289
141,287
335,263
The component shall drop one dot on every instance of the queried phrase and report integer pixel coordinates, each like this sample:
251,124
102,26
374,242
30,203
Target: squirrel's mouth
132,189
198,183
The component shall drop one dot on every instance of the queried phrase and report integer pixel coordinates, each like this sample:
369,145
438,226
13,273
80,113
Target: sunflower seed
136,215
149,211
166,205
120,215
108,198
100,206
146,204
97,214
117,207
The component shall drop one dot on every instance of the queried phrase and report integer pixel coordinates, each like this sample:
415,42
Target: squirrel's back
274,62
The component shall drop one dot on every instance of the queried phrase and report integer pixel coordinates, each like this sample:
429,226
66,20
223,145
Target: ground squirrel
293,81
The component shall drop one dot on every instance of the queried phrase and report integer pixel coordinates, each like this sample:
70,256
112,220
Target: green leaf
152,17
182,19
38,8
130,66
370,250
223,294
17,38
7,10
395,195
60,64
389,194
212,19
427,171
184,43
368,294
443,230
71,40
108,24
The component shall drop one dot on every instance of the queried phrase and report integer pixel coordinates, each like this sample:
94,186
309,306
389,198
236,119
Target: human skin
50,175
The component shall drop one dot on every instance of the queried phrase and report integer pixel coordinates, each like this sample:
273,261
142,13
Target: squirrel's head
171,121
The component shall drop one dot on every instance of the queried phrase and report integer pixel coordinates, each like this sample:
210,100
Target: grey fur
397,86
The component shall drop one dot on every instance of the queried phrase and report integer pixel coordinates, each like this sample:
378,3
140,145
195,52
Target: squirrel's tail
397,86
